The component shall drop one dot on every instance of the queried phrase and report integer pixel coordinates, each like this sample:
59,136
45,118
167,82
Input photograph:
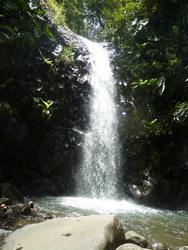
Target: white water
106,206
96,177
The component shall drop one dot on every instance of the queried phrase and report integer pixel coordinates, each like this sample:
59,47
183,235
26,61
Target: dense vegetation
41,98
150,40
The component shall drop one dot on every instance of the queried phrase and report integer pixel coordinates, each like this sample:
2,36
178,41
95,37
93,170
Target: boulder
2,214
147,187
135,191
31,204
159,246
129,246
135,238
95,232
13,212
5,201
25,209
183,248
10,191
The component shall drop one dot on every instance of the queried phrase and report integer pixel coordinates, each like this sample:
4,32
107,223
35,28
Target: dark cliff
43,100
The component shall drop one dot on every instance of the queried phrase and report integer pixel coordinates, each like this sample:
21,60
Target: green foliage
150,39
153,84
58,11
180,114
75,15
67,55
155,127
44,105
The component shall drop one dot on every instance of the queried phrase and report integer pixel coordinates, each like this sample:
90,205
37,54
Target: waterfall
97,176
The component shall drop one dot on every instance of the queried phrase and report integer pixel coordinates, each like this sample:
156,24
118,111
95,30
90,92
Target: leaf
161,84
47,103
6,28
48,61
153,122
181,112
5,35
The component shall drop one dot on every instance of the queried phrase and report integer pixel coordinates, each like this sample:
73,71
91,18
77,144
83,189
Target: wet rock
47,216
129,246
147,188
13,212
5,201
10,191
183,248
135,191
25,209
2,214
31,204
3,208
159,246
135,238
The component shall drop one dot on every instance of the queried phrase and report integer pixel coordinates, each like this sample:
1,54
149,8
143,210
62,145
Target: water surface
156,225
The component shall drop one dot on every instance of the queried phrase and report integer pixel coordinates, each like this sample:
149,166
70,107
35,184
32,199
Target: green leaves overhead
181,112
154,84
150,40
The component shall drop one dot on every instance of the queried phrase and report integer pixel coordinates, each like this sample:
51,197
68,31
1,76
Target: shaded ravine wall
40,147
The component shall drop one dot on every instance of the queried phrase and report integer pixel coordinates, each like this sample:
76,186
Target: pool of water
169,227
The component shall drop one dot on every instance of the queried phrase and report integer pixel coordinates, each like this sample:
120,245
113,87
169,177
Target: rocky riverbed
16,212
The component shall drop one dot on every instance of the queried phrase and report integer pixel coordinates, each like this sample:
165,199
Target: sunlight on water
105,205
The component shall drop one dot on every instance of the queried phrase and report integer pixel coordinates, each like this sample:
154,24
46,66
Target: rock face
135,238
96,232
129,246
10,191
50,117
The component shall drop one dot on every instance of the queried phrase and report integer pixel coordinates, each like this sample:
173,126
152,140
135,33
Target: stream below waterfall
169,227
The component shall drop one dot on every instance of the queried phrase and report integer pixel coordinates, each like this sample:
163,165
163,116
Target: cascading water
97,174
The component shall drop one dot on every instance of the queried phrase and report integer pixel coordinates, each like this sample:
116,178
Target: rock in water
95,232
129,246
135,238
31,204
183,248
25,209
159,246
